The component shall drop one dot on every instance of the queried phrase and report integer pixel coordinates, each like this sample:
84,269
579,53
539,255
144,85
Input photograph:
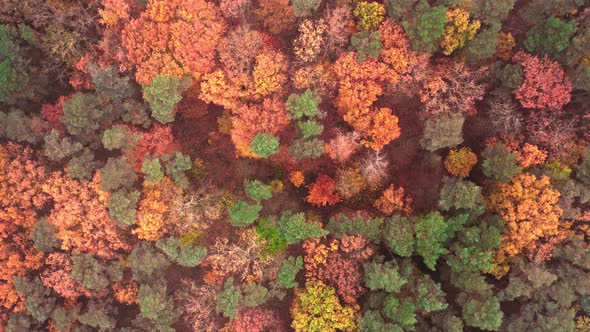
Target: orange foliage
276,15
114,11
529,208
173,37
394,201
379,127
460,162
531,155
154,208
81,218
58,276
269,73
126,292
297,178
323,192
505,45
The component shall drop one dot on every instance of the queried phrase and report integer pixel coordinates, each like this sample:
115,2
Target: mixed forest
294,165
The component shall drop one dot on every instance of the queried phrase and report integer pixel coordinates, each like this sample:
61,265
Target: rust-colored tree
323,192
153,220
394,200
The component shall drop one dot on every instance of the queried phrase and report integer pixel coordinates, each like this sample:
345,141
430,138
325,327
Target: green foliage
499,163
94,274
400,311
399,235
188,255
44,236
305,8
583,170
39,300
372,321
119,137
82,167
426,29
257,190
341,225
288,272
431,234
384,276
307,148
367,44
146,262
266,230
483,313
442,132
293,228
58,148
430,295
265,145
511,76
163,93
152,170
229,300
483,46
369,15
550,37
99,315
176,166
81,116
459,194
491,12
254,295
123,206
20,322
243,214
17,126
117,173
310,128
305,104
399,9
155,304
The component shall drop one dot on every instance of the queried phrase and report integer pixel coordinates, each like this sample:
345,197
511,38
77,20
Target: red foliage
57,276
544,83
80,77
323,192
158,141
53,113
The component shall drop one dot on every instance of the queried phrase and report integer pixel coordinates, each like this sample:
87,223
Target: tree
379,128
229,300
545,84
44,236
99,314
165,41
459,162
310,42
93,274
264,145
431,234
322,192
482,313
176,166
146,263
384,276
491,13
550,37
255,320
243,214
163,93
306,148
398,234
117,174
427,27
310,128
40,301
529,208
305,104
123,206
369,15
58,148
289,270
394,200
276,15
293,228
459,194
485,45
152,170
499,163
155,304
458,30
442,132
257,190
183,255
305,8
317,308
119,137
366,44
155,208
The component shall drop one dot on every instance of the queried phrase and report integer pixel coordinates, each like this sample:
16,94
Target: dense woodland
294,165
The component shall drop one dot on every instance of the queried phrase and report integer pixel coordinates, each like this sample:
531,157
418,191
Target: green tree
289,270
117,173
483,46
99,315
18,126
305,104
146,262
163,93
430,295
44,236
483,313
123,206
442,132
229,300
372,321
366,44
384,276
82,167
307,148
305,8
341,224
184,255
398,234
94,274
310,128
39,300
155,304
119,137
550,37
265,145
427,27
243,214
152,170
176,166
254,295
257,190
401,311
499,163
58,148
431,235
459,194
293,228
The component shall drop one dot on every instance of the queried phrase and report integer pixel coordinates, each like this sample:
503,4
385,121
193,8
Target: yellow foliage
269,73
154,208
582,324
458,30
505,45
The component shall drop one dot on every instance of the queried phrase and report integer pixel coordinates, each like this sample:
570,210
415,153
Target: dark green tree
499,163
163,93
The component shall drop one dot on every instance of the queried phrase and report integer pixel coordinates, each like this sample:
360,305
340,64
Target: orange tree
173,37
460,162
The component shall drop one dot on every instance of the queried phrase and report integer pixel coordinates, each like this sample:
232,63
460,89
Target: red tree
323,192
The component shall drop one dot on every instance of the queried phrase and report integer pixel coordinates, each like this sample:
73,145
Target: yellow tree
458,30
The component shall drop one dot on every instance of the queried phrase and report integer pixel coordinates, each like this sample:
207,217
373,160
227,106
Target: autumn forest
294,165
